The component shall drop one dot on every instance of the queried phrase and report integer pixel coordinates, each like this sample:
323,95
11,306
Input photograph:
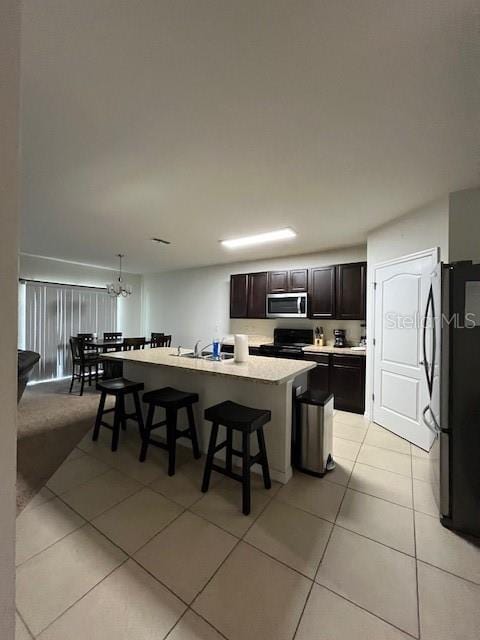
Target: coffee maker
340,338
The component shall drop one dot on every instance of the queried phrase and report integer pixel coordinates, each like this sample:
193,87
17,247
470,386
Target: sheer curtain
53,313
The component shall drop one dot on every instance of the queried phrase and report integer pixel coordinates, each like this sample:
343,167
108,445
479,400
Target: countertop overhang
256,369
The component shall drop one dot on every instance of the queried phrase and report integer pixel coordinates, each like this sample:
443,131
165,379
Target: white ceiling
198,120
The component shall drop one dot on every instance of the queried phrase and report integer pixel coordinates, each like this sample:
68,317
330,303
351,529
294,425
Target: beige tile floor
116,550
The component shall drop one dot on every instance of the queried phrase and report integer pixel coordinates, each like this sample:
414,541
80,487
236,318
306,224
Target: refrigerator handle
433,427
425,359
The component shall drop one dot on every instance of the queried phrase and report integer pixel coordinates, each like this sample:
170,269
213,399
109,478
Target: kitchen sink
224,356
208,356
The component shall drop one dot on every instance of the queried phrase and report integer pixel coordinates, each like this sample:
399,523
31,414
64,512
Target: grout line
233,548
324,553
239,540
82,597
371,495
25,624
80,526
362,535
383,468
81,484
449,573
328,543
415,551
359,606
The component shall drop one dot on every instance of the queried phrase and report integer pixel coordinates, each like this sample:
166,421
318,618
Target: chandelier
119,288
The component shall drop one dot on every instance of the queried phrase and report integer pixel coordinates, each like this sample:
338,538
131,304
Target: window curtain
55,312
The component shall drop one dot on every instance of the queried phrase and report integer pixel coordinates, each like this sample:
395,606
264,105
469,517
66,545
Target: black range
287,343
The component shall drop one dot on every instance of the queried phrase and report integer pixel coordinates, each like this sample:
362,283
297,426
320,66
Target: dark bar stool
237,417
120,388
171,400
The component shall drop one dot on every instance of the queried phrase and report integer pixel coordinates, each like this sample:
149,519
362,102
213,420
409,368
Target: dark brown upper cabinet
257,295
298,280
239,295
294,281
351,291
277,281
322,292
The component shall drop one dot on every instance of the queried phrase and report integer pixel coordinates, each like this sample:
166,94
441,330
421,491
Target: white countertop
257,368
257,340
346,351
253,340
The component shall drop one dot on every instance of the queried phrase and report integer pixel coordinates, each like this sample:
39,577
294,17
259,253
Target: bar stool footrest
226,472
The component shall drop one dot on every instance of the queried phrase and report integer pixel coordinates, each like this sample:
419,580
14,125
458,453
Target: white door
400,386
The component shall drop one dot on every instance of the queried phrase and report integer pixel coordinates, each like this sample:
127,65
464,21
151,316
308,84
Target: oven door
287,305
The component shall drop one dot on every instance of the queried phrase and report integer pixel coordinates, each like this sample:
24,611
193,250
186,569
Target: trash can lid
319,398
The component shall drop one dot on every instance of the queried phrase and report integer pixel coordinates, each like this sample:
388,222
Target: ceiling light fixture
119,288
261,238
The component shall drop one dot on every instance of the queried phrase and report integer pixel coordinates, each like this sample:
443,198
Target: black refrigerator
452,368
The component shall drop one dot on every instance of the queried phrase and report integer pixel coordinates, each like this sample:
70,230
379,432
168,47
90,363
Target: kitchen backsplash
265,327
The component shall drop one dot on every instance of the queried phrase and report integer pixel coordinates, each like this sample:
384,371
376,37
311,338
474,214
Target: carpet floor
51,422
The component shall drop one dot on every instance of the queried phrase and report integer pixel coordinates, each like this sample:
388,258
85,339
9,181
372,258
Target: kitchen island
263,383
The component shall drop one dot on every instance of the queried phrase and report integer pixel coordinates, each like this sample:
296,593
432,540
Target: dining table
104,345
110,369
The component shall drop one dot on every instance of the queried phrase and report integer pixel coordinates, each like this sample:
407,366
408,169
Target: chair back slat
134,344
79,346
160,340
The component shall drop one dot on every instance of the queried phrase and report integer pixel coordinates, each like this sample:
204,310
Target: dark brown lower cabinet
347,382
344,376
319,378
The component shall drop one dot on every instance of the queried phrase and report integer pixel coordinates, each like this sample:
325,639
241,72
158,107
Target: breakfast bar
262,383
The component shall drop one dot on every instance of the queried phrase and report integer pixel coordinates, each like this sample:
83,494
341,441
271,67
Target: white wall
193,304
50,270
464,225
424,228
9,199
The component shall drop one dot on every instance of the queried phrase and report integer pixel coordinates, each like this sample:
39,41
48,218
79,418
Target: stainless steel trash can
313,439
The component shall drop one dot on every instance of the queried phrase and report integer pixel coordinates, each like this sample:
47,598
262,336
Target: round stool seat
119,385
170,398
238,416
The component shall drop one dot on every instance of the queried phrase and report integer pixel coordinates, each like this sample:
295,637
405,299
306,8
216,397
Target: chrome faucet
195,349
198,352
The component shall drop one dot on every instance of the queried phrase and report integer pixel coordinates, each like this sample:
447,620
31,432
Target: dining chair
160,340
87,337
112,336
84,359
134,344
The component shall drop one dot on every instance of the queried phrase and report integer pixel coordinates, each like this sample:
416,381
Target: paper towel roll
241,347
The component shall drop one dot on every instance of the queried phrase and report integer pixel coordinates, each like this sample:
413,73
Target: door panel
400,384
400,394
238,295
257,295
322,292
402,292
278,282
298,280
351,291
348,386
